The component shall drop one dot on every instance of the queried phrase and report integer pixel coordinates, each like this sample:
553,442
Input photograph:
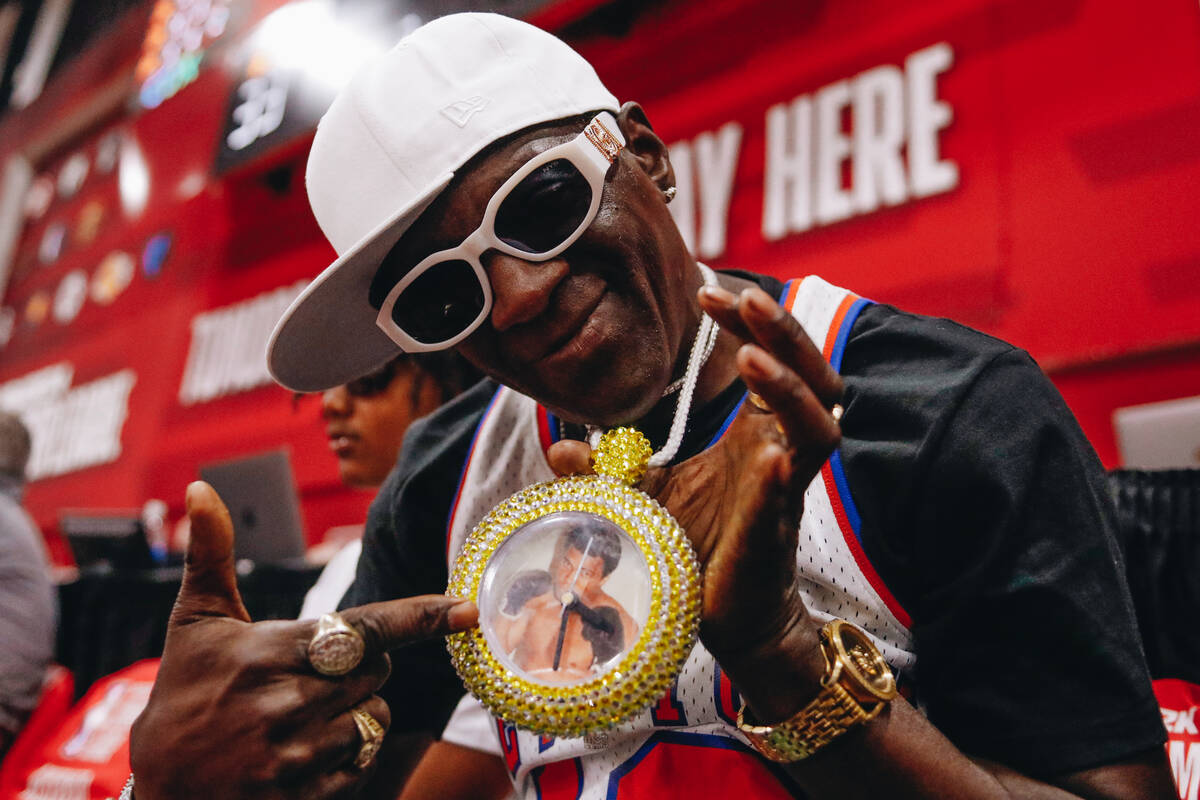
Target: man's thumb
209,576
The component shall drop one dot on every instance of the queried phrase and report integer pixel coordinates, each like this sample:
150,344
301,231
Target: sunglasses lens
440,304
545,208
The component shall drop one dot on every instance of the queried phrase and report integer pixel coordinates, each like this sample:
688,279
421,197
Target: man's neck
718,372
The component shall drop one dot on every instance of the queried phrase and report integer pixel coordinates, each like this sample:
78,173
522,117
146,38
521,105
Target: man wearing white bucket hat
844,462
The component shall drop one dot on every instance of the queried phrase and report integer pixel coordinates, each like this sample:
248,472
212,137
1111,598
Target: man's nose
335,402
521,290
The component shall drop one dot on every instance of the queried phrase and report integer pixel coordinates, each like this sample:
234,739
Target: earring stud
669,193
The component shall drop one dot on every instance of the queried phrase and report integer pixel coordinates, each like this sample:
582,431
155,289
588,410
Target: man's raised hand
237,710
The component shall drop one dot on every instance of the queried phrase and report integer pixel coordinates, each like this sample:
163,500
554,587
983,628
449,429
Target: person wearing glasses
875,498
366,418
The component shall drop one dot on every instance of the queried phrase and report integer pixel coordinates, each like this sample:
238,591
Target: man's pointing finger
393,623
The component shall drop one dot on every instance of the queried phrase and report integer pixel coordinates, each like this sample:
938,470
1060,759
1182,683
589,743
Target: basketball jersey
688,742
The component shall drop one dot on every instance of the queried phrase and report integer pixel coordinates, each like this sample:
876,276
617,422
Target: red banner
1025,168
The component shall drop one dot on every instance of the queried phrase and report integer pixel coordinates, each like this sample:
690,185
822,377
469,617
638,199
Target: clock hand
568,599
562,634
590,616
569,594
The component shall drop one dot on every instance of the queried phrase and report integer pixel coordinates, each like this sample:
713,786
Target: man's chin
611,387
607,404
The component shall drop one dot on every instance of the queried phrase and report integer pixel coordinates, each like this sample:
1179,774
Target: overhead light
133,177
314,39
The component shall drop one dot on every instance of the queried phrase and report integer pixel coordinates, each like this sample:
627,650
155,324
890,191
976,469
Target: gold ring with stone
758,402
372,736
336,647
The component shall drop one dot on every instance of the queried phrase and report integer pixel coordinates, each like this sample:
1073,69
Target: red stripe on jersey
839,317
835,498
860,557
543,427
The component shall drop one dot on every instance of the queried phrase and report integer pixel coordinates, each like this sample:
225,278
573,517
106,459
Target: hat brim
328,335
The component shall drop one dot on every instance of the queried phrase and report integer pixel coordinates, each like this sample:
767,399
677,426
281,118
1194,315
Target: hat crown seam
367,123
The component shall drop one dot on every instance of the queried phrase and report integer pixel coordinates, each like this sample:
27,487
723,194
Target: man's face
595,332
570,576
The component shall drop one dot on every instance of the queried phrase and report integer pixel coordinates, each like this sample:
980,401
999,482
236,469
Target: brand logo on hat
460,112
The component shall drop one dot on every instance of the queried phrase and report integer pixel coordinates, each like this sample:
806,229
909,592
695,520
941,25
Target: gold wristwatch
857,685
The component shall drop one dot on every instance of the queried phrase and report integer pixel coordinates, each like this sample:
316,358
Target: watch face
564,598
864,661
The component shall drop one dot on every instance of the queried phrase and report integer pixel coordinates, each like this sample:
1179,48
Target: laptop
260,493
106,540
1159,435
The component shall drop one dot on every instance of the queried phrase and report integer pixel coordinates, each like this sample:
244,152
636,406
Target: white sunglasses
536,214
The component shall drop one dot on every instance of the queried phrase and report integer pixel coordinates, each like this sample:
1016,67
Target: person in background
366,418
27,603
365,421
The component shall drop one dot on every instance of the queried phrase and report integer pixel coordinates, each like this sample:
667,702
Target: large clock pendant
588,595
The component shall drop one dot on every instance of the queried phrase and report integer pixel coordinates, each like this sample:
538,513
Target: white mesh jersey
688,743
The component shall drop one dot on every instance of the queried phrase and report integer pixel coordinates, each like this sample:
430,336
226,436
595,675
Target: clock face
589,604
564,598
864,660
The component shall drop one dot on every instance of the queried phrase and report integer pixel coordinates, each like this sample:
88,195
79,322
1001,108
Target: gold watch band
830,714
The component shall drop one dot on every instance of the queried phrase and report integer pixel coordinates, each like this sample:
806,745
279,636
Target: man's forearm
900,754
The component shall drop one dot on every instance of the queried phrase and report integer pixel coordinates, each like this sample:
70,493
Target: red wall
1070,231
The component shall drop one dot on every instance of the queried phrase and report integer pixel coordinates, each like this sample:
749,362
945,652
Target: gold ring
757,401
837,411
336,647
372,736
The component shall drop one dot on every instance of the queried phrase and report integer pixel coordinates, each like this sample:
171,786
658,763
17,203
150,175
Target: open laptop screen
260,492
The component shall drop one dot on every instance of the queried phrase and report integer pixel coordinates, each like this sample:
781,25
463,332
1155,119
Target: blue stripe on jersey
835,460
843,334
843,490
787,287
725,425
553,424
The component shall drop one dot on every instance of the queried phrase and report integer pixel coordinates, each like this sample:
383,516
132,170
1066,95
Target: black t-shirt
983,509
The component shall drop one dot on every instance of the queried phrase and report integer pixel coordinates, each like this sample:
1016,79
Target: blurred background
1026,168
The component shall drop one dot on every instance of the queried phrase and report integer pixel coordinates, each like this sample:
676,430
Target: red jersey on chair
1179,701
87,756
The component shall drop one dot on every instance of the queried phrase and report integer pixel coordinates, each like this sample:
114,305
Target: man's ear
643,143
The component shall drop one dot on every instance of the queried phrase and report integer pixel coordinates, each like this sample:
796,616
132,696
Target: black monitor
106,540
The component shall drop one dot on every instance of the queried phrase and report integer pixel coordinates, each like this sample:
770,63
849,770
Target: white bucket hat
385,149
